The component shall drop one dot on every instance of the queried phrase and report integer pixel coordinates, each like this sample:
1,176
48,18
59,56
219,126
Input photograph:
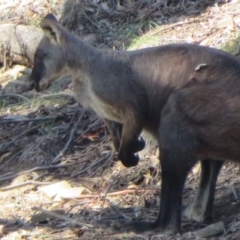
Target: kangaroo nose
37,87
31,85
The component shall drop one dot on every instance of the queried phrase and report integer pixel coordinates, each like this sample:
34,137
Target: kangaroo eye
40,55
43,55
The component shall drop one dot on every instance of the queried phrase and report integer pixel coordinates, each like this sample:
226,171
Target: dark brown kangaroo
186,96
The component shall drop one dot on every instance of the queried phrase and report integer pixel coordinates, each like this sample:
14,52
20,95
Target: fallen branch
36,169
210,230
123,192
17,119
58,216
65,94
108,189
15,96
23,184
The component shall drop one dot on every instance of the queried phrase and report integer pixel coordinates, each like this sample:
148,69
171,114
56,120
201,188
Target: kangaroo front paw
130,161
140,145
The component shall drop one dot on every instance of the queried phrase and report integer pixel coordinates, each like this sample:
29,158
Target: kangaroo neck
80,55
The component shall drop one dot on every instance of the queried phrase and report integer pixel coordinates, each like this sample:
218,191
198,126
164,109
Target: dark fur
193,90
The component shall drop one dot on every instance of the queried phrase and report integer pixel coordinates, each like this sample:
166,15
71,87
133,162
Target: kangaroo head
50,58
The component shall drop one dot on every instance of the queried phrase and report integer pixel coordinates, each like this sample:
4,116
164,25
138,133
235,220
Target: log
210,230
18,43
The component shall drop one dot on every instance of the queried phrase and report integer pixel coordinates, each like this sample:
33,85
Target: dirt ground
59,172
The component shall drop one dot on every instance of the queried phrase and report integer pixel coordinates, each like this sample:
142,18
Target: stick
55,215
23,184
17,137
92,165
123,192
93,173
10,157
65,94
13,119
15,95
57,94
36,169
60,154
173,26
22,223
108,189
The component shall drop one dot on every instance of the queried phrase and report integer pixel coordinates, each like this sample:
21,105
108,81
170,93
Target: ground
56,157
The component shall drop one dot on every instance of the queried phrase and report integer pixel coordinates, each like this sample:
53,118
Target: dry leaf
132,186
71,193
226,23
55,188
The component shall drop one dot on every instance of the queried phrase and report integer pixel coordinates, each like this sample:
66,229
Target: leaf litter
59,172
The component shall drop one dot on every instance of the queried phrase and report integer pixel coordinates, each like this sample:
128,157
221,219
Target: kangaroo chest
88,99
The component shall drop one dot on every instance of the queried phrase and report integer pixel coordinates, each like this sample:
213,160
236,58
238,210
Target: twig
71,95
110,157
17,137
23,184
95,24
11,157
90,126
13,119
55,215
23,47
117,211
123,192
85,169
7,174
173,26
70,138
108,189
5,222
22,223
15,95
207,34
36,169
26,96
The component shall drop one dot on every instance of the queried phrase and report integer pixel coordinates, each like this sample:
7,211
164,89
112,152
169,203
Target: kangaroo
186,96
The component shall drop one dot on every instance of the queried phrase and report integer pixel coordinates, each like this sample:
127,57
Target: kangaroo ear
51,17
52,28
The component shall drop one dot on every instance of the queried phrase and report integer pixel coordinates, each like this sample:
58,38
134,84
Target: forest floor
57,158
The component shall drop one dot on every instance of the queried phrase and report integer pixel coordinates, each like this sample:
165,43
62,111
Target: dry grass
26,11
